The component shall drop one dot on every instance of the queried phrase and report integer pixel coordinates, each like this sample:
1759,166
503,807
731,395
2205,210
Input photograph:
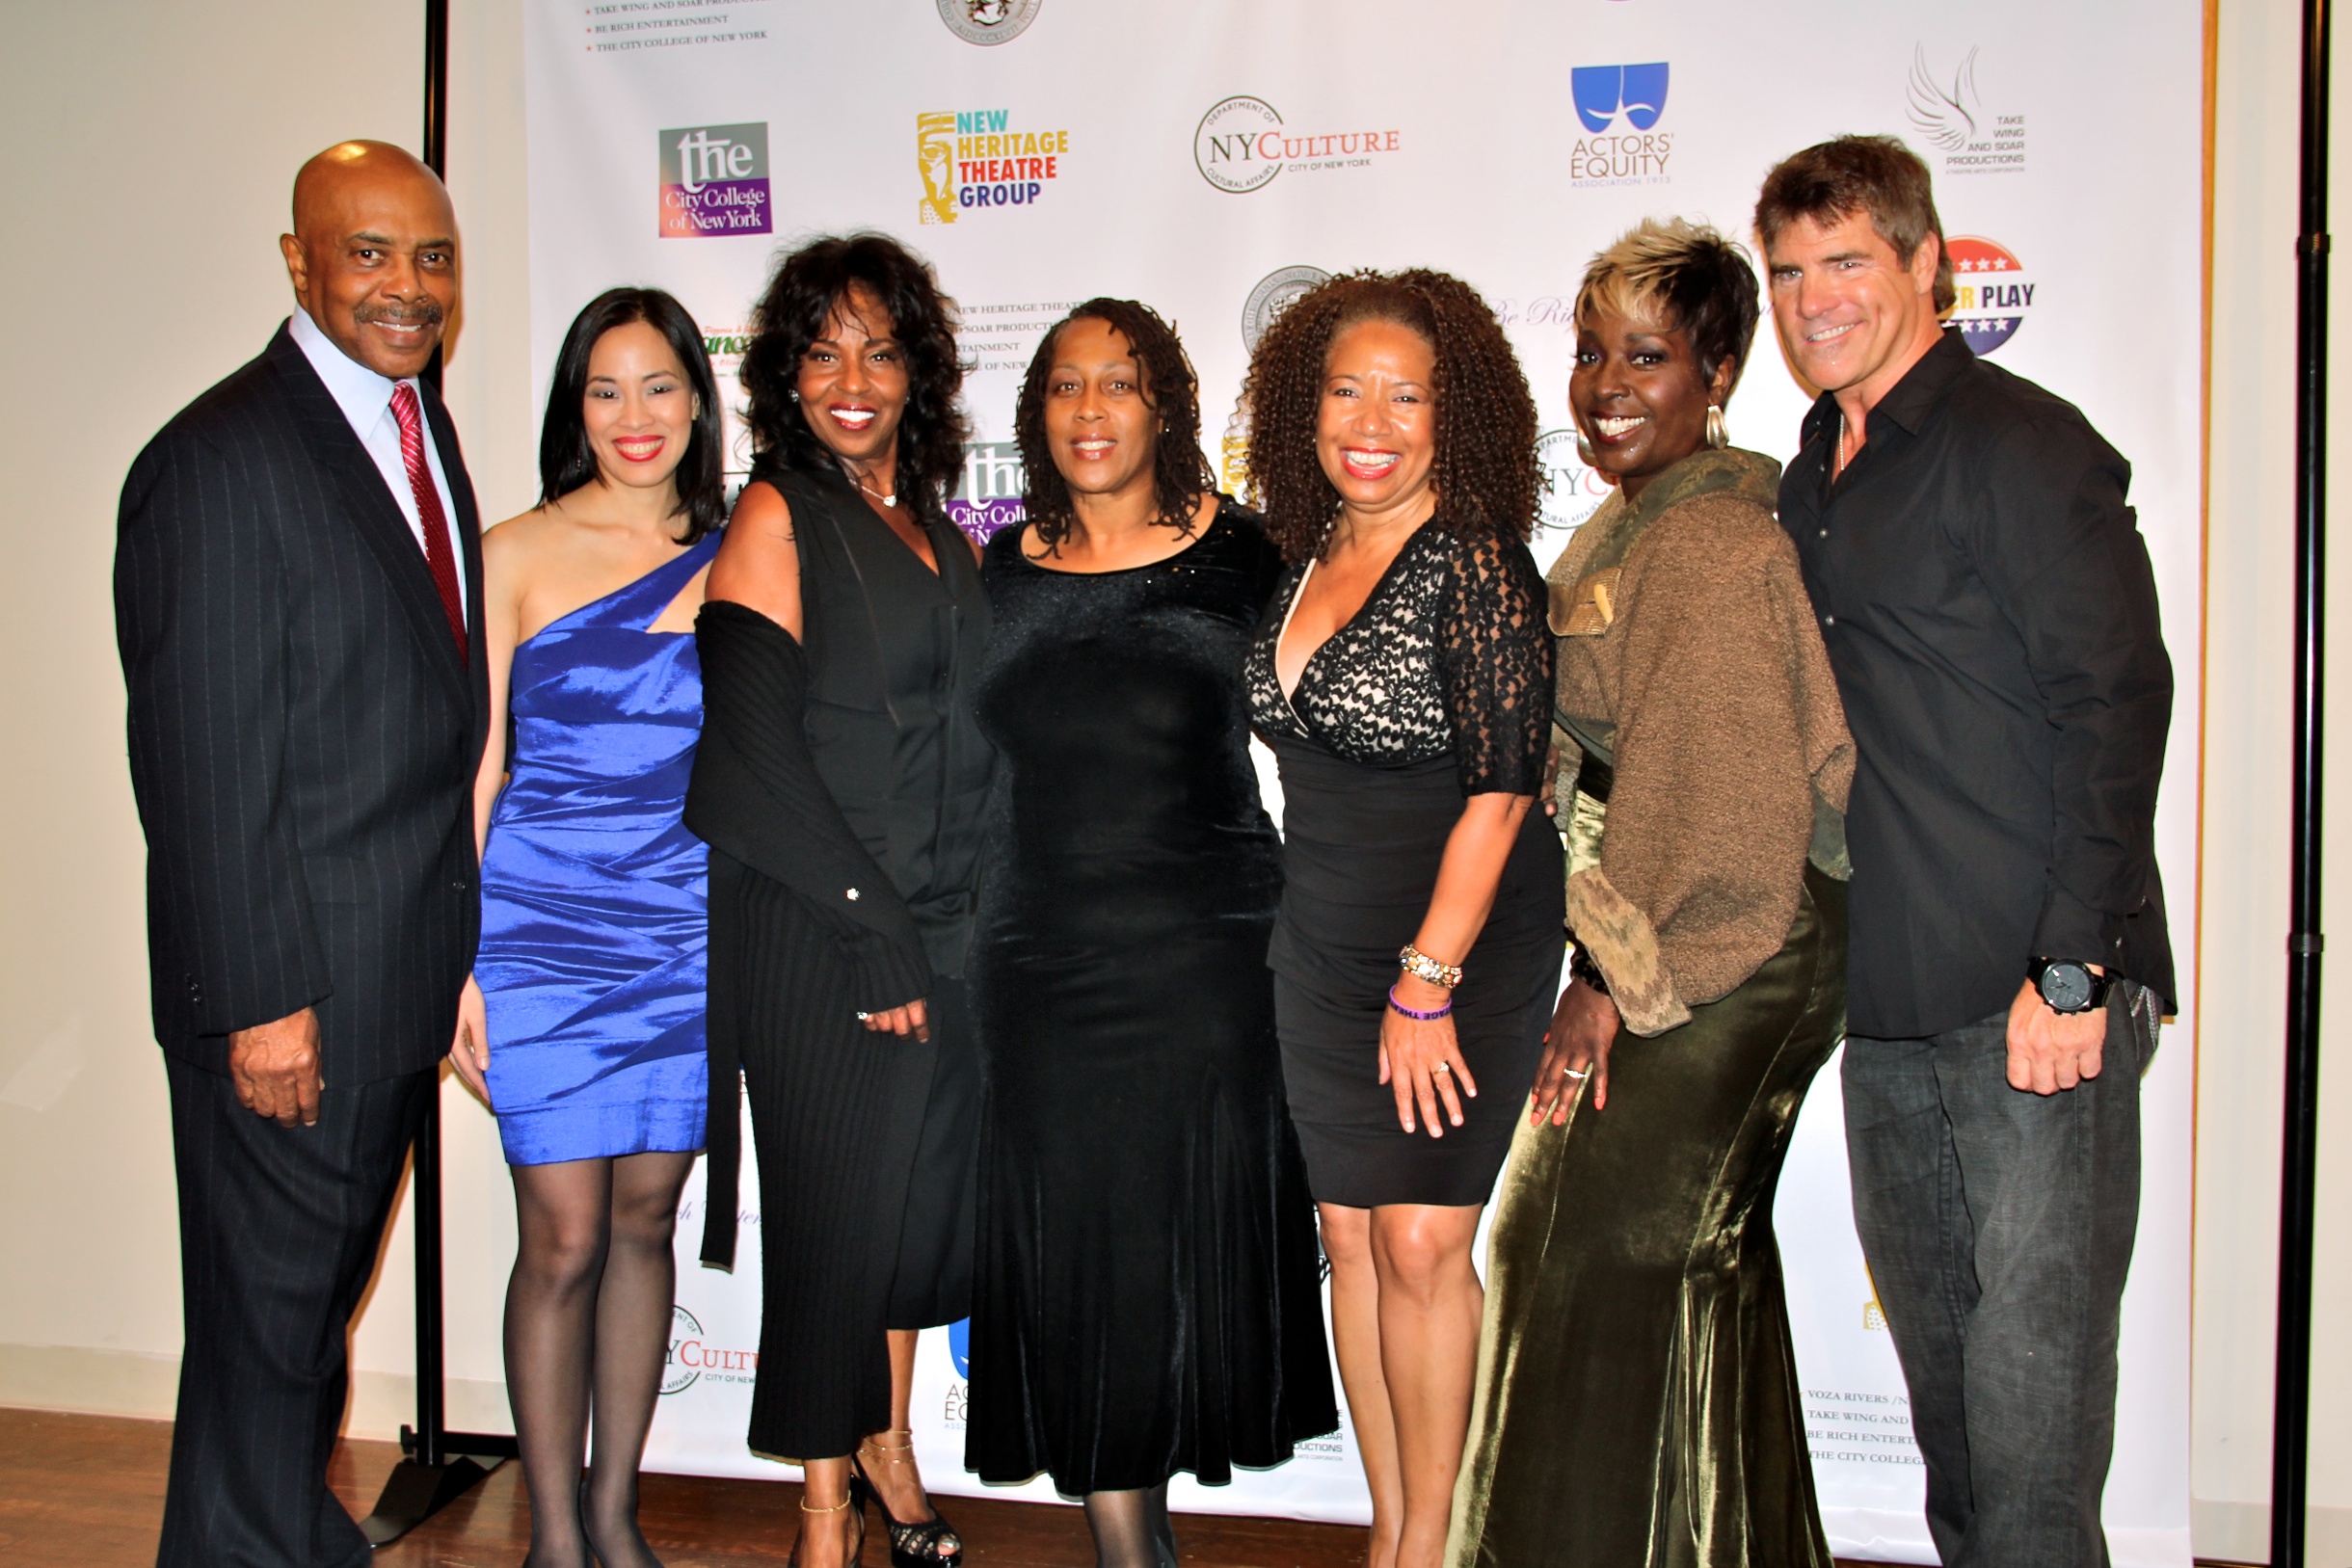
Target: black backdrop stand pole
440,1466
2290,1420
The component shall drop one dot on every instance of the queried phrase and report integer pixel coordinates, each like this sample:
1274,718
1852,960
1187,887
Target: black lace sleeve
1495,653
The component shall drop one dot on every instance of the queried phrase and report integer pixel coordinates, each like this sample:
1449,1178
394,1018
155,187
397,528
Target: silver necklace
1838,468
891,499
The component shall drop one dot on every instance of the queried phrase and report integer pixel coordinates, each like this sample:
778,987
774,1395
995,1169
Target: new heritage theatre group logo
978,159
714,181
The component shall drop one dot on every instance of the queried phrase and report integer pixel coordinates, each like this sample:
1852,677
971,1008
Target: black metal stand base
415,1490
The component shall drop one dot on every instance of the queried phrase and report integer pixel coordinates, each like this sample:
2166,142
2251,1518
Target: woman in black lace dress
1146,1296
1403,677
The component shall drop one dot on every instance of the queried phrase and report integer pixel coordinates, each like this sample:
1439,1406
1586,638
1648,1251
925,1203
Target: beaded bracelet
1415,1012
1420,965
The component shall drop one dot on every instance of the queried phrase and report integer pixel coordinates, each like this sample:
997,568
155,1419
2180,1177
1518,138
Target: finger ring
864,1016
1443,1067
1572,1072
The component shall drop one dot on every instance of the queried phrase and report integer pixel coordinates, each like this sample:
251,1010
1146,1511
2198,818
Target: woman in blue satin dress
584,1026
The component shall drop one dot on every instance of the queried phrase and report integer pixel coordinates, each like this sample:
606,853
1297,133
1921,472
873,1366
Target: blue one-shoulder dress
594,895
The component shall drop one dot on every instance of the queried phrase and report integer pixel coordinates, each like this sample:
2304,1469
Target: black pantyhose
587,1324
1132,1529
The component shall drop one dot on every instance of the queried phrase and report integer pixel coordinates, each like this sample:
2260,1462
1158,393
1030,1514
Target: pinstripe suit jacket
303,732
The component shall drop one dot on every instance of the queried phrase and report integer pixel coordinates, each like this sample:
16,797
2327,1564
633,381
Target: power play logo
714,181
976,160
1995,291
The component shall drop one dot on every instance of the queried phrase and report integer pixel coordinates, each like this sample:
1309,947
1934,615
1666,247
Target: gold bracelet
1422,967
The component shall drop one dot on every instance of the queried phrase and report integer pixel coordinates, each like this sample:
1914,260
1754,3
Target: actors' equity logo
1996,292
987,494
1577,490
977,159
1950,114
714,181
1242,144
959,1345
988,21
1276,292
1605,94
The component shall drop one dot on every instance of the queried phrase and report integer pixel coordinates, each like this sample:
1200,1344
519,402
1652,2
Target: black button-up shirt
1990,614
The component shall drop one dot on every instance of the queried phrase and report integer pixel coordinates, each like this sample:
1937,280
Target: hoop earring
1583,448
1716,435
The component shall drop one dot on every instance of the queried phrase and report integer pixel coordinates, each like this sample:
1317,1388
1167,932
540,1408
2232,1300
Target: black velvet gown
1147,1293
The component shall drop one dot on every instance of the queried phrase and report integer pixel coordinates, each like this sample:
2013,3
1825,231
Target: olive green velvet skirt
1636,1401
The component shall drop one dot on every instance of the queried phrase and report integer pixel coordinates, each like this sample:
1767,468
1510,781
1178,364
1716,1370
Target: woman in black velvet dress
1146,1296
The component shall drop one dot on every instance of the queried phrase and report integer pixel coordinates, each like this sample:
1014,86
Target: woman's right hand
901,1022
1584,1026
469,1048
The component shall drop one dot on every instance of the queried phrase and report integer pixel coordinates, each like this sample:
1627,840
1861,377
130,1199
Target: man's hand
2050,1051
274,1067
469,1049
911,1017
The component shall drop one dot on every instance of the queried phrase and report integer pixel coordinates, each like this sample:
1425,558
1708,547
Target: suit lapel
375,517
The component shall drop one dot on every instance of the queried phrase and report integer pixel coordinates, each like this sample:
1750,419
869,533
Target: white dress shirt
366,401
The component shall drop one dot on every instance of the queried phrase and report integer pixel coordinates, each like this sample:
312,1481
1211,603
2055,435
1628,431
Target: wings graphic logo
1947,117
1600,92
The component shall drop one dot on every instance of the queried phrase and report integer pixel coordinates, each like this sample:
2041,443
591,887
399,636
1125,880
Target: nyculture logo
977,159
1242,144
1604,96
1995,291
714,181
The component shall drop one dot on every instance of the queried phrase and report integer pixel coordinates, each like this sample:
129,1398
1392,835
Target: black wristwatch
2066,983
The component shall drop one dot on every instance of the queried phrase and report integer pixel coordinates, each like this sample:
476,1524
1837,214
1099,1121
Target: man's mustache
425,312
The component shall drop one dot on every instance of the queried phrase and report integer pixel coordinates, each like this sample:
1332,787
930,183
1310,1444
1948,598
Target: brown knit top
1690,663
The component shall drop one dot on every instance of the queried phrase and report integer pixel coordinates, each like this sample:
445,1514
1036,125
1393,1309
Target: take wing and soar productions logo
714,181
978,159
1605,95
1242,144
1995,291
1948,113
988,21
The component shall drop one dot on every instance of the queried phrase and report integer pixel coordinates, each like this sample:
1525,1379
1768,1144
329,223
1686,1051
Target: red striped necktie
440,560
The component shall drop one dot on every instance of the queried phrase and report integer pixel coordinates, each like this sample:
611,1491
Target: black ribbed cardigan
756,796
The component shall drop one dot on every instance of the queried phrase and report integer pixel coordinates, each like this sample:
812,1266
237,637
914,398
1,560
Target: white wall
153,146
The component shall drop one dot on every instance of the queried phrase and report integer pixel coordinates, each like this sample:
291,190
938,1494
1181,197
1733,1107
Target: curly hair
1679,277
810,284
1181,474
1487,480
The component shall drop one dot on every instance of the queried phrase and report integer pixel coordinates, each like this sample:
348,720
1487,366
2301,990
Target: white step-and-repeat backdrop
1216,157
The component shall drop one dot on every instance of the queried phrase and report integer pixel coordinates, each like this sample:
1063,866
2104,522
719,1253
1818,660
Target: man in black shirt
1989,611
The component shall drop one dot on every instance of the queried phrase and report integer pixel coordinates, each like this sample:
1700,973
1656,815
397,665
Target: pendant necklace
891,499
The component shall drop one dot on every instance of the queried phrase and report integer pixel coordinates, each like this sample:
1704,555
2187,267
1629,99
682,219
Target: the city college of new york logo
1242,144
1995,291
714,181
987,494
1619,107
988,21
977,159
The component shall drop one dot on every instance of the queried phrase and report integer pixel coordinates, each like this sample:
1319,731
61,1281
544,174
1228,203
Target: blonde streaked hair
1677,276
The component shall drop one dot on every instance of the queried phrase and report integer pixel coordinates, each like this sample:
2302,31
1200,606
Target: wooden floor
86,1492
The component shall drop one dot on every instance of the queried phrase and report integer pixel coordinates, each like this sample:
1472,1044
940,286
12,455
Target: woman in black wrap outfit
839,782
1147,1297
1404,676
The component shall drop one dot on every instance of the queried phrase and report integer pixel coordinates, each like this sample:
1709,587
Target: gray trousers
1998,1225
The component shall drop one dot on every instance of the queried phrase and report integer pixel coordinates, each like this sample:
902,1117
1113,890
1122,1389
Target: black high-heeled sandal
915,1545
855,1502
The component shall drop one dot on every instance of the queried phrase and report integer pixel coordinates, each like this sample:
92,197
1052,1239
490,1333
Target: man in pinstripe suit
296,556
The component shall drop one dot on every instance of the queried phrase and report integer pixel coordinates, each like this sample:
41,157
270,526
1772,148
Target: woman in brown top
1637,1399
